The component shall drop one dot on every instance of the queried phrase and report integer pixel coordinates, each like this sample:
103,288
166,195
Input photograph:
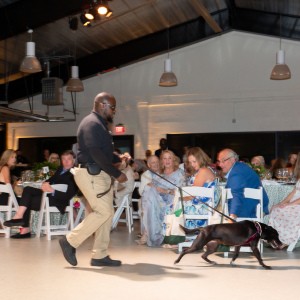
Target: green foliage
258,169
39,166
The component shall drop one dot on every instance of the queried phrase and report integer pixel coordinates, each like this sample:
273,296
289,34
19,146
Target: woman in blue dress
157,198
204,176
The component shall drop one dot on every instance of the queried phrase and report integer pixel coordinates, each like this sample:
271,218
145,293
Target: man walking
94,178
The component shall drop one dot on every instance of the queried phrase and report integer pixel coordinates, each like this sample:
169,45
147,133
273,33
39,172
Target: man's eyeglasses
113,107
223,160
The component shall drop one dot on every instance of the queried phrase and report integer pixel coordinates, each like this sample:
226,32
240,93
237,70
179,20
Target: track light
91,14
84,20
103,7
109,13
73,23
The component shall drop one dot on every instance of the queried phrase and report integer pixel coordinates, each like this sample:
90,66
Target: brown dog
232,234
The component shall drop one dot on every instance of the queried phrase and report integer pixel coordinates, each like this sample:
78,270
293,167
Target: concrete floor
36,269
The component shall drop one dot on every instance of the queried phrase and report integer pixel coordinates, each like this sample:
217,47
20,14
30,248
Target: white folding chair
81,210
125,205
197,191
135,214
12,205
46,209
256,194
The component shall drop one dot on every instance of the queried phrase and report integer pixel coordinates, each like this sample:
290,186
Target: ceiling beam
206,16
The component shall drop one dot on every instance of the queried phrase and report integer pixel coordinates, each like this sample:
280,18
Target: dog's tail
186,230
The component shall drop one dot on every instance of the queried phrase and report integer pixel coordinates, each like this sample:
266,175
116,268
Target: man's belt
83,165
92,168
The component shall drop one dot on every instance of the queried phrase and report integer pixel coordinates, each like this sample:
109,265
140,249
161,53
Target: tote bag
174,235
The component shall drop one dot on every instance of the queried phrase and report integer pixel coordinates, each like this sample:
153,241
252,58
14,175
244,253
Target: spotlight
85,21
73,23
91,14
109,13
102,8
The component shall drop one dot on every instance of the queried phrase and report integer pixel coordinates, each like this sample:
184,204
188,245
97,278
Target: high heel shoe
282,246
143,240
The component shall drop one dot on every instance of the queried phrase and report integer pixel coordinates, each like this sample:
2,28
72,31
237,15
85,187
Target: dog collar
256,234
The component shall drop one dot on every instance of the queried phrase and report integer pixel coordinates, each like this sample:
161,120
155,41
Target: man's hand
125,157
232,216
46,187
122,178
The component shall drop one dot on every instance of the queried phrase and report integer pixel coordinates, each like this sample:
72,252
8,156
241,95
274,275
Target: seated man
240,176
31,197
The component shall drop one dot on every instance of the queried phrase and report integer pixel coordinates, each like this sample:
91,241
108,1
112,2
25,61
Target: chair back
195,191
256,194
45,211
60,187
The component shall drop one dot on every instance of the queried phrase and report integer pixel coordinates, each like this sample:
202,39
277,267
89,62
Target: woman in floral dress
158,197
285,216
203,176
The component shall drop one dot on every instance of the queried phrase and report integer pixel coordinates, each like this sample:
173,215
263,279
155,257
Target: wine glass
267,175
285,174
279,174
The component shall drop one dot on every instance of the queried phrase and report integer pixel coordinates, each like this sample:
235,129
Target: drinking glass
279,174
285,174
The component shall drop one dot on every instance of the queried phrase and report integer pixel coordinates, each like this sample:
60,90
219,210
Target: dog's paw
213,263
176,262
233,264
267,267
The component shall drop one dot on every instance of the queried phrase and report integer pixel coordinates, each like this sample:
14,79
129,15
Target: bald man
240,176
94,176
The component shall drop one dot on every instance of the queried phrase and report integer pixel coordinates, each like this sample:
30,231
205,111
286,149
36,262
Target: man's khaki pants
100,220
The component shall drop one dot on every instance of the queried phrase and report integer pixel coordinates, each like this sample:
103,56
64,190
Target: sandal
142,240
282,246
168,246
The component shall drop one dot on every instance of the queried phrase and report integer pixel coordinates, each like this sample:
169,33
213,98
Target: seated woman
54,158
258,161
277,164
203,176
158,196
285,216
291,162
7,161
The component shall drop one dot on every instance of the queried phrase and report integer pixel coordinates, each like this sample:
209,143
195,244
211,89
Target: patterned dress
155,206
287,220
195,207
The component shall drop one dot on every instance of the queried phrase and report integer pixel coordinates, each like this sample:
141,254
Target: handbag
174,235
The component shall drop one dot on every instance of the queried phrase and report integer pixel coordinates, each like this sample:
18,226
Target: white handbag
174,234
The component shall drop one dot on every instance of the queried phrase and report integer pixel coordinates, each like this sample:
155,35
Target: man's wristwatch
169,191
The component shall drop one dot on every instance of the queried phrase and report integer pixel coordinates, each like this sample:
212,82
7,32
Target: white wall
219,79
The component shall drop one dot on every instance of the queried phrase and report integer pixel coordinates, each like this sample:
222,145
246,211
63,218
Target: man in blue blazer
240,176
